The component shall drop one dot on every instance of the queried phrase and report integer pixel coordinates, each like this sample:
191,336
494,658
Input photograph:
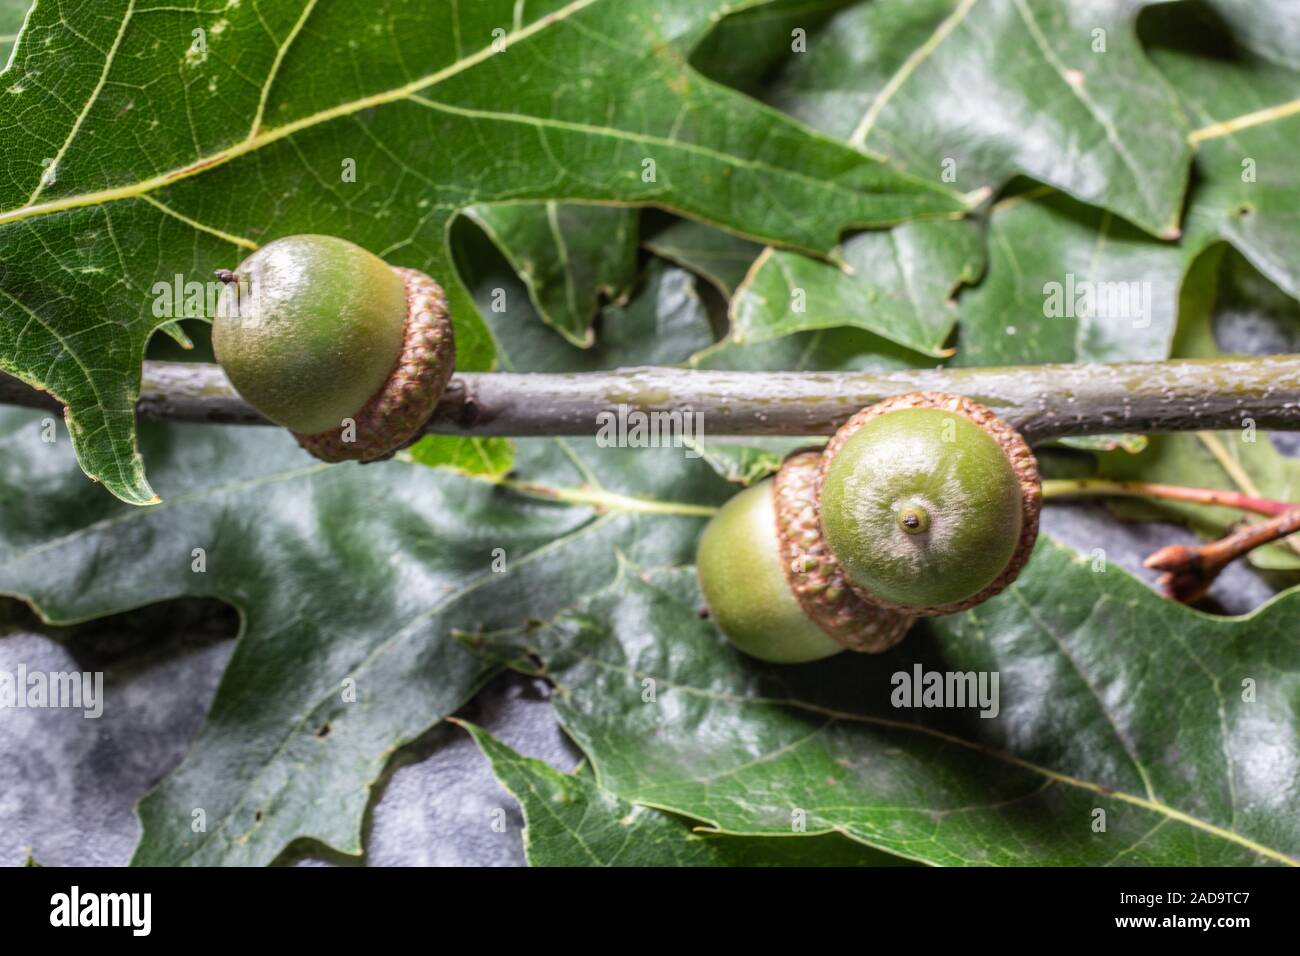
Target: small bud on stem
1189,572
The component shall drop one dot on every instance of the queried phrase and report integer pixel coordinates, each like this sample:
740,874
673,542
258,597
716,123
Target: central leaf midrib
1152,806
256,142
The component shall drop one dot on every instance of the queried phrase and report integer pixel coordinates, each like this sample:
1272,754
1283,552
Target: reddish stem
1143,489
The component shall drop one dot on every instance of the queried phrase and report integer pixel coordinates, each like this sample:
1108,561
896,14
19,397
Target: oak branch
1043,401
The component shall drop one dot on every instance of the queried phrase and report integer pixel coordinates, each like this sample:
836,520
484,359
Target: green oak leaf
1127,443
569,820
1086,761
384,573
878,68
1246,110
981,92
146,144
289,544
1069,283
718,257
664,322
899,283
488,457
569,257
840,349
767,35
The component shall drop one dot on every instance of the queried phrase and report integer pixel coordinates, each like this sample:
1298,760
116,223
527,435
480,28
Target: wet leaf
571,821
147,145
1083,759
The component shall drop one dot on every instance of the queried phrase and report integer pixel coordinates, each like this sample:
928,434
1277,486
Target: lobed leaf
571,821
150,142
1126,729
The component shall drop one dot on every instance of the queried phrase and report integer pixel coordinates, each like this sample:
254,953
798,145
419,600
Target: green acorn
328,340
773,586
930,502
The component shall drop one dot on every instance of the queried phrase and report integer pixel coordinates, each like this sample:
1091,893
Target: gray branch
1043,401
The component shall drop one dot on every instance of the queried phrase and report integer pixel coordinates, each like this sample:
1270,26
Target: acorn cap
815,575
326,339
930,502
394,414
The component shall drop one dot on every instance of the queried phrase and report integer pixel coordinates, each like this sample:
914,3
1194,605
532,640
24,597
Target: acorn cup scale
329,341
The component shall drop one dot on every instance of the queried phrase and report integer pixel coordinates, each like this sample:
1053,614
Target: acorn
328,340
930,503
773,586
